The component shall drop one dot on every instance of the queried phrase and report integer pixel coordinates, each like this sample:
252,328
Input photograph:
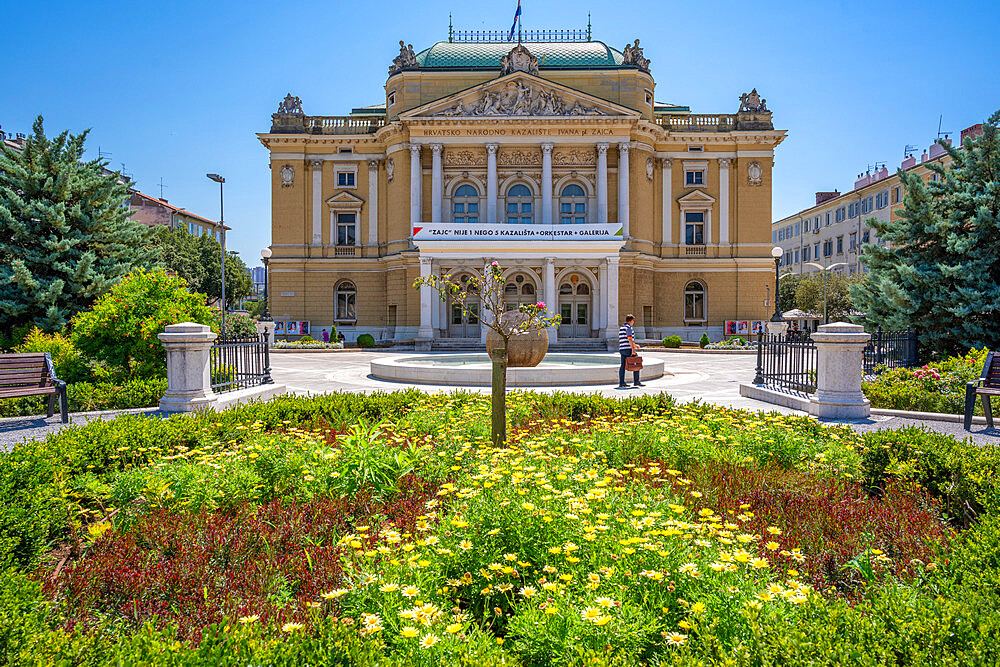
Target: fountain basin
471,369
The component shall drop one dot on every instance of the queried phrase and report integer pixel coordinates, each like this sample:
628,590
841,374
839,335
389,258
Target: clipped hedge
672,341
91,396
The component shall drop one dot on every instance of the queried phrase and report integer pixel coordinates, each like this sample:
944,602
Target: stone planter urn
526,348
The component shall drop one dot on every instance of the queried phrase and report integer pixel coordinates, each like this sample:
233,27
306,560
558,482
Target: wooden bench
986,386
32,374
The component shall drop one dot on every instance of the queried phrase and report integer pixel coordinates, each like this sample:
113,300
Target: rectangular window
897,194
817,221
797,228
805,226
865,236
694,228
839,214
805,254
796,256
827,248
345,179
853,244
774,237
828,219
781,234
345,229
852,210
694,177
816,251
840,245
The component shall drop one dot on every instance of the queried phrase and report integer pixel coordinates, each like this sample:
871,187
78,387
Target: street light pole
222,224
265,255
776,253
825,270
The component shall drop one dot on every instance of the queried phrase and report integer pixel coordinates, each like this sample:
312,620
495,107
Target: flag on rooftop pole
517,16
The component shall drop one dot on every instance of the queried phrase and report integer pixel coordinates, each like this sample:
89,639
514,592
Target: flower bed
606,532
308,345
936,387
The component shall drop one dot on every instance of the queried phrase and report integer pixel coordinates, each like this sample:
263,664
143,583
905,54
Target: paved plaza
711,378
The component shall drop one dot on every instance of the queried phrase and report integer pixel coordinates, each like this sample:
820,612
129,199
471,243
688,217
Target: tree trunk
498,431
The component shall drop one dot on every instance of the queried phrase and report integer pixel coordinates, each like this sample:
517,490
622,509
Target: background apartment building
835,228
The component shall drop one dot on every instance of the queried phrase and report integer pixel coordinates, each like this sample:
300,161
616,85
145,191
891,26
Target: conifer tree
940,272
65,232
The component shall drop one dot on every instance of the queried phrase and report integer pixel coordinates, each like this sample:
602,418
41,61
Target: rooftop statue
634,56
406,58
291,105
752,102
519,59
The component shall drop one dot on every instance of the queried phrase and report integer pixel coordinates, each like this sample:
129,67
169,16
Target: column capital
724,162
425,261
436,148
602,147
492,148
373,164
550,260
666,162
316,164
624,146
611,259
546,148
414,149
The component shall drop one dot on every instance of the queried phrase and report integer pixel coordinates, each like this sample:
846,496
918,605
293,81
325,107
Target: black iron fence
787,361
890,349
240,361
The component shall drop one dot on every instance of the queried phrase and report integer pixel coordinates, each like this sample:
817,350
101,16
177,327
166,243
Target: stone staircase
474,345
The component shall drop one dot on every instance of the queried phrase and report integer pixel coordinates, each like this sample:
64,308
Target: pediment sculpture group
519,98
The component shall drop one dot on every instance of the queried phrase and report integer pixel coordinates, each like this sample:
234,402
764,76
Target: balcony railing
343,124
694,251
345,251
699,122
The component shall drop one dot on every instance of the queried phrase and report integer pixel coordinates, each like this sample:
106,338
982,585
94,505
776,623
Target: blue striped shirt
623,336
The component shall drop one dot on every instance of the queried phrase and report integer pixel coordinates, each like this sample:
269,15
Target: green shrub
937,387
672,341
705,340
121,328
307,339
70,365
91,396
366,340
237,324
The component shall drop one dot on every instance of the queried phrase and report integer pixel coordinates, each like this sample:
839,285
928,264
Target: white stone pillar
602,288
839,366
267,328
437,183
189,383
724,201
611,332
373,203
415,186
667,202
435,307
546,184
425,332
317,201
491,183
602,183
623,190
550,295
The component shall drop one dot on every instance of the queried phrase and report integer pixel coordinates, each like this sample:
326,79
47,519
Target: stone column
623,190
415,186
189,384
546,184
611,333
373,203
602,288
317,203
602,183
425,332
550,295
667,203
839,367
491,183
437,183
435,308
724,200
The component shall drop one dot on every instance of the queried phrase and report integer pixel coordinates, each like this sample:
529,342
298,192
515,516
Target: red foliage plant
192,569
831,519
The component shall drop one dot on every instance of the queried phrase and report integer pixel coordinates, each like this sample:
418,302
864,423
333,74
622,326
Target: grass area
385,529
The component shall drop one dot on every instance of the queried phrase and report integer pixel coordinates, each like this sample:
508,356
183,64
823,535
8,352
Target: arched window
345,297
519,203
572,205
694,301
465,204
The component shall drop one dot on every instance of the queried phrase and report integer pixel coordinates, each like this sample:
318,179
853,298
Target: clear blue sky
178,89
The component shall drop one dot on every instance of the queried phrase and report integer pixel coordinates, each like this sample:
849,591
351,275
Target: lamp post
220,180
825,270
776,253
265,255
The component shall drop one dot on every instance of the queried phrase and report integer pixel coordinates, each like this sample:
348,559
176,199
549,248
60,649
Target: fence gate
240,361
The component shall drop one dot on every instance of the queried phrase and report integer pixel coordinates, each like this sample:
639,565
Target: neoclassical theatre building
548,155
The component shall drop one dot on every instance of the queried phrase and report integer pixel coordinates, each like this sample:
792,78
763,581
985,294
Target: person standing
626,348
326,336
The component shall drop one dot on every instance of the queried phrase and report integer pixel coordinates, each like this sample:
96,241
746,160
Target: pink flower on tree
540,304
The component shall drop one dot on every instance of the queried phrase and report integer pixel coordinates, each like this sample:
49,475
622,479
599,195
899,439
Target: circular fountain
469,369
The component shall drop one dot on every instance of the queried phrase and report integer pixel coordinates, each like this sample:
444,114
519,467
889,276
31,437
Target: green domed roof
551,55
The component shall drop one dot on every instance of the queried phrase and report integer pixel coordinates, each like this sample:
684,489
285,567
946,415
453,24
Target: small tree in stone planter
489,288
